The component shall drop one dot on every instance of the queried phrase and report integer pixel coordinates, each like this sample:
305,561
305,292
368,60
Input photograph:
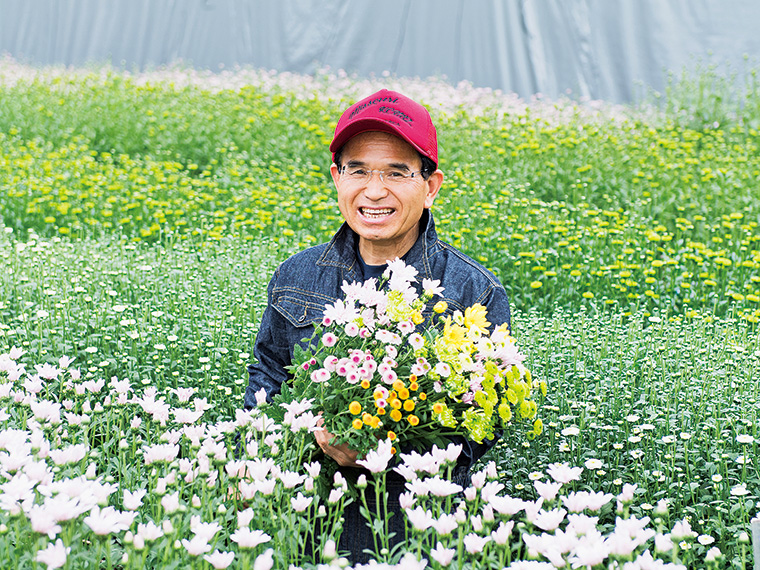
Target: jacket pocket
300,311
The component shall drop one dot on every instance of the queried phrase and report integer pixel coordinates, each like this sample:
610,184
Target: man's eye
357,172
395,174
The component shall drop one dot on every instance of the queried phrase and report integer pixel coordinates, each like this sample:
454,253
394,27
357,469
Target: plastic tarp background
602,49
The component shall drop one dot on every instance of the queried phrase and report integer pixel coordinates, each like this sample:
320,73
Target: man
385,171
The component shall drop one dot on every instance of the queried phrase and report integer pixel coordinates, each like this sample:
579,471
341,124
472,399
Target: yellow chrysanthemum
357,424
395,415
476,316
409,405
392,436
355,408
414,420
440,307
454,334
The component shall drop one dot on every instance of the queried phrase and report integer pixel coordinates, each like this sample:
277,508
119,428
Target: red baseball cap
393,113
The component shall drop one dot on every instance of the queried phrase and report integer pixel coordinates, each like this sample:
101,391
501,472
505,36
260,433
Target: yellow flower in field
398,385
403,394
395,415
367,419
476,316
392,436
440,307
365,384
538,427
357,424
422,396
588,295
536,285
413,386
355,408
414,420
395,403
409,405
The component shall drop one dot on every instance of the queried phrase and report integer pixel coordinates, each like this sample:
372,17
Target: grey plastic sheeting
601,49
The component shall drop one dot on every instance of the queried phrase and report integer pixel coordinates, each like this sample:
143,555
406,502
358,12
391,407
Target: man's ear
334,173
433,183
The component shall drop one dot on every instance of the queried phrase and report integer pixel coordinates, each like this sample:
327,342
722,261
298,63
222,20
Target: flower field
141,216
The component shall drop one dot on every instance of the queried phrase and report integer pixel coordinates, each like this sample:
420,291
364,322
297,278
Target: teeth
377,213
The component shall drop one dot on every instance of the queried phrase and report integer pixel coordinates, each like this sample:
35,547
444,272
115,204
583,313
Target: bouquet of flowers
374,373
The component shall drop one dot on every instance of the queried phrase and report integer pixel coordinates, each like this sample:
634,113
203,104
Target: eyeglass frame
370,173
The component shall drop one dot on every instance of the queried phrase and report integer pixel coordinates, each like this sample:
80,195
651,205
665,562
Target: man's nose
376,187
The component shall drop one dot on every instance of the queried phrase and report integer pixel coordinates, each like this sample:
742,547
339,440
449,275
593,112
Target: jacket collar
341,250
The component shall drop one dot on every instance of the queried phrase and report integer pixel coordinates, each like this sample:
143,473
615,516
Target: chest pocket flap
299,311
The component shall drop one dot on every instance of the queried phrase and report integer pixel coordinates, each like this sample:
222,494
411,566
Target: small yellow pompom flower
440,307
403,393
365,384
414,420
413,386
422,396
398,385
536,285
355,408
392,436
409,405
437,408
395,404
357,424
395,415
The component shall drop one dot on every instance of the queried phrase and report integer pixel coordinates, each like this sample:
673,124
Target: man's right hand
342,454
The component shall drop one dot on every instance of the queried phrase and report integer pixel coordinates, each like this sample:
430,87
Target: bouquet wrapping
376,369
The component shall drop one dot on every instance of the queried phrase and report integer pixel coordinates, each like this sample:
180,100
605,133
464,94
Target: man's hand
342,454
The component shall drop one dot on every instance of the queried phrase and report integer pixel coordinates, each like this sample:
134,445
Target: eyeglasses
392,177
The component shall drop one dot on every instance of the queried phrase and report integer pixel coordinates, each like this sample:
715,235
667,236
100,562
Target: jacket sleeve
271,353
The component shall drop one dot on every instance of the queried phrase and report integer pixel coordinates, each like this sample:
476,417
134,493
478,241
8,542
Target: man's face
385,216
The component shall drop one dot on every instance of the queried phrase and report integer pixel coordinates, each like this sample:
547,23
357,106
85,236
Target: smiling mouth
376,213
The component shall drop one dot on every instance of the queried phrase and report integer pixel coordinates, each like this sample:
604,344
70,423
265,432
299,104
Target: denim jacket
304,283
